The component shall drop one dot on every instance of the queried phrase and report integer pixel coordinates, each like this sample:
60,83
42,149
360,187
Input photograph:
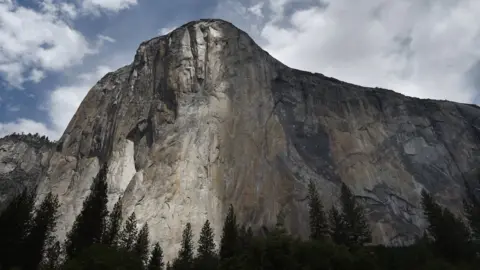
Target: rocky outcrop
22,161
204,118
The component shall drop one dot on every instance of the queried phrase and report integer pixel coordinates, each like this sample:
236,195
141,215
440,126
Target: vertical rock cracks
204,118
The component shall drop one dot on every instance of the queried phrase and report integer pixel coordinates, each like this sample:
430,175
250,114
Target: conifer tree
52,256
156,259
228,242
206,257
114,223
357,231
128,235
451,236
185,255
142,244
15,222
89,225
318,222
43,225
337,227
471,205
168,267
278,247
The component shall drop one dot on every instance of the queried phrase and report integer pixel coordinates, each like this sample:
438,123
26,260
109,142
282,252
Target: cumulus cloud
36,38
64,100
60,106
96,6
256,9
26,126
419,48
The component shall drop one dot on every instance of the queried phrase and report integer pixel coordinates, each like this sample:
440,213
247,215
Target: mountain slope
203,117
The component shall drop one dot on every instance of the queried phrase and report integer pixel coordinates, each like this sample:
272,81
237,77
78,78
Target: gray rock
204,118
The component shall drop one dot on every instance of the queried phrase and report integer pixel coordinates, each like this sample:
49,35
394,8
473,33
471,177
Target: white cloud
256,9
26,126
39,38
418,48
64,100
36,75
166,30
13,108
95,6
61,105
106,38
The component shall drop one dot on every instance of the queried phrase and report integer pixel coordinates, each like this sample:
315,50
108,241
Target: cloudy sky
53,51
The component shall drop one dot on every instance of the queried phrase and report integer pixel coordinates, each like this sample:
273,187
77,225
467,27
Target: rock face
204,118
22,161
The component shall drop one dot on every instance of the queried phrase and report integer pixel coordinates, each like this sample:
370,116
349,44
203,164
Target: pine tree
114,223
142,244
15,222
206,245
337,227
318,222
278,247
89,225
206,257
471,205
52,256
128,235
185,255
228,242
451,236
43,225
357,231
156,259
168,267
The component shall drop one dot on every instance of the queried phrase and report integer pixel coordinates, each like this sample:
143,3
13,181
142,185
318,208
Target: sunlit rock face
22,161
204,118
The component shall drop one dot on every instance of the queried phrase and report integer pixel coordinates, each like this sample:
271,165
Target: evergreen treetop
206,244
357,230
42,229
319,229
228,242
450,235
142,244
156,259
15,223
89,225
185,255
114,223
128,235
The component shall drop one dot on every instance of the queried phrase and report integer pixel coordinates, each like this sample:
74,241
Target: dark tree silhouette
15,222
319,229
206,257
451,236
128,236
185,255
142,244
228,242
156,259
114,223
90,224
43,225
357,230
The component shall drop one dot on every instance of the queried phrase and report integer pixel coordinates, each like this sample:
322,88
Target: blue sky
52,52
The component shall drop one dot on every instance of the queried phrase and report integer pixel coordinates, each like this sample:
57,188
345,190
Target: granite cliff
204,118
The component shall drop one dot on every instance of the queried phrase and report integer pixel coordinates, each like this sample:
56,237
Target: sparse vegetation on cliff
34,140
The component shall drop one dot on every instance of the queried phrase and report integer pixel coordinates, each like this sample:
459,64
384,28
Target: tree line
340,239
34,140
